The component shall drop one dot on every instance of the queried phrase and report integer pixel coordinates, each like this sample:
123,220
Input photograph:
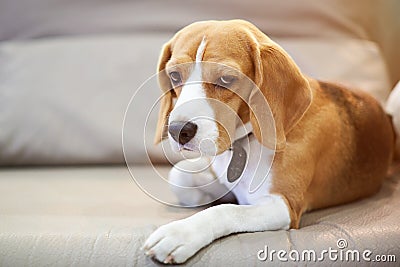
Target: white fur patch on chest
253,187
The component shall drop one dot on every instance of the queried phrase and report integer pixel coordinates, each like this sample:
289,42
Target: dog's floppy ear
167,97
286,90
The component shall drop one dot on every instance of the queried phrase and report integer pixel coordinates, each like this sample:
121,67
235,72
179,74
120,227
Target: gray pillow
62,101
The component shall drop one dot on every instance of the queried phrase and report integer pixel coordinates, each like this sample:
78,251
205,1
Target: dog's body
332,145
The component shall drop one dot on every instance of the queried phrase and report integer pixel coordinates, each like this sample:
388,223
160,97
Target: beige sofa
67,74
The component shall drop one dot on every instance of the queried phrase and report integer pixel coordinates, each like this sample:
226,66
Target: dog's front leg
177,241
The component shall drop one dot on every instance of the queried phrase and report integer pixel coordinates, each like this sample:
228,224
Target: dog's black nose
182,131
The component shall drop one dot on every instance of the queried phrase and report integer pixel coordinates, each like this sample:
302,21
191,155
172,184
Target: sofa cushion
99,217
393,108
63,100
43,18
372,20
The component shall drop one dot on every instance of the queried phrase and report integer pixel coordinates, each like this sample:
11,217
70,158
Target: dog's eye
225,81
175,77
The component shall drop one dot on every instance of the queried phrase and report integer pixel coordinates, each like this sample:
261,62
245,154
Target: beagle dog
310,145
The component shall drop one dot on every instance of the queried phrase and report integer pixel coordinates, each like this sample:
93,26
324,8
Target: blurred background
68,69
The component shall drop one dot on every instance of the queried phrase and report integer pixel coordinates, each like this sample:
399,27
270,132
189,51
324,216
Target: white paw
176,242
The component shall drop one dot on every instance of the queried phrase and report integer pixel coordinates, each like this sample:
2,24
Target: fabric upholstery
372,20
63,100
68,70
99,217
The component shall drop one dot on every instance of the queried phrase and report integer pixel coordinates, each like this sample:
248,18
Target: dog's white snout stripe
194,88
200,50
192,105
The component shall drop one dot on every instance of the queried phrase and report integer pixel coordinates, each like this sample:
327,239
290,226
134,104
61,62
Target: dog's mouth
208,146
204,147
187,147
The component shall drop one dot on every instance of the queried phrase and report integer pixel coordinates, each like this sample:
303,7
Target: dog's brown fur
333,145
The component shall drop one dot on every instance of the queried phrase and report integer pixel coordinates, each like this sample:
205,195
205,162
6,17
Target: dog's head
210,73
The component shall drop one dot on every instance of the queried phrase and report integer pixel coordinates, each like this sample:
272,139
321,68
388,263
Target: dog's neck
243,130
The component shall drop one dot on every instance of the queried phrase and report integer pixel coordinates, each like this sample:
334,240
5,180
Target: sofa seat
98,216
